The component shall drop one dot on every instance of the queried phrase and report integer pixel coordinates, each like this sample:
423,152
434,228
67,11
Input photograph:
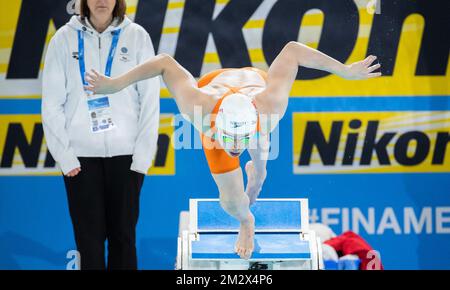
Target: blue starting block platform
207,235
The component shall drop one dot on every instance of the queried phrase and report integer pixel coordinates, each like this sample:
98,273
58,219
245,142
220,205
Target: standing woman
104,145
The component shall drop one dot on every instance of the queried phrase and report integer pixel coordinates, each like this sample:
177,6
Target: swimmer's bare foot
254,183
245,241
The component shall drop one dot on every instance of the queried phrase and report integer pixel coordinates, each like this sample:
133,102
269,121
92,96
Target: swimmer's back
248,81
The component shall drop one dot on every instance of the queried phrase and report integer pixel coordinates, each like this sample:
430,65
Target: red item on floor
350,243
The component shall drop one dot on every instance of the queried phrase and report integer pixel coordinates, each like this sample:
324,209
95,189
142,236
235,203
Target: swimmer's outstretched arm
283,71
179,81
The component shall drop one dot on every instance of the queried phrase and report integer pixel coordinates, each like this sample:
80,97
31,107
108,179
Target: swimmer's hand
101,84
362,70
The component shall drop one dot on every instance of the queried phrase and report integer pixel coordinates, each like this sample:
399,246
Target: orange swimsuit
218,160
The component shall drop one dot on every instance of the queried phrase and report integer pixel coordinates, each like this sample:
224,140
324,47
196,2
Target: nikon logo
23,150
371,142
281,25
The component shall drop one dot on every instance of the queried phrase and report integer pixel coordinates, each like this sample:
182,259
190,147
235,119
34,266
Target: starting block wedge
207,235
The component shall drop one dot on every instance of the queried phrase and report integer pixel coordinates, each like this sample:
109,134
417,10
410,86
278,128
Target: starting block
207,235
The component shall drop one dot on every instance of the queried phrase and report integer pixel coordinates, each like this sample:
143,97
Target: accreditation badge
100,114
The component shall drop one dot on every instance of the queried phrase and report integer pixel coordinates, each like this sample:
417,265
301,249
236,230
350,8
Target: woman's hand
74,172
101,84
362,70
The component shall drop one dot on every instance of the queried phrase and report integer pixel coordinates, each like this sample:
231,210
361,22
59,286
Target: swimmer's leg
236,203
256,168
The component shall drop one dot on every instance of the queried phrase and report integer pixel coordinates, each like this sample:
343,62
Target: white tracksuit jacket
135,109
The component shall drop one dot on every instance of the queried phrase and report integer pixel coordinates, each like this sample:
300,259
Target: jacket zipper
100,70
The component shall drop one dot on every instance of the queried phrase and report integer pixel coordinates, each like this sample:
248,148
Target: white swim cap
237,116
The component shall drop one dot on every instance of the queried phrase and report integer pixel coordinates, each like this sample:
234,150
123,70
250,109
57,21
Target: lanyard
112,52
